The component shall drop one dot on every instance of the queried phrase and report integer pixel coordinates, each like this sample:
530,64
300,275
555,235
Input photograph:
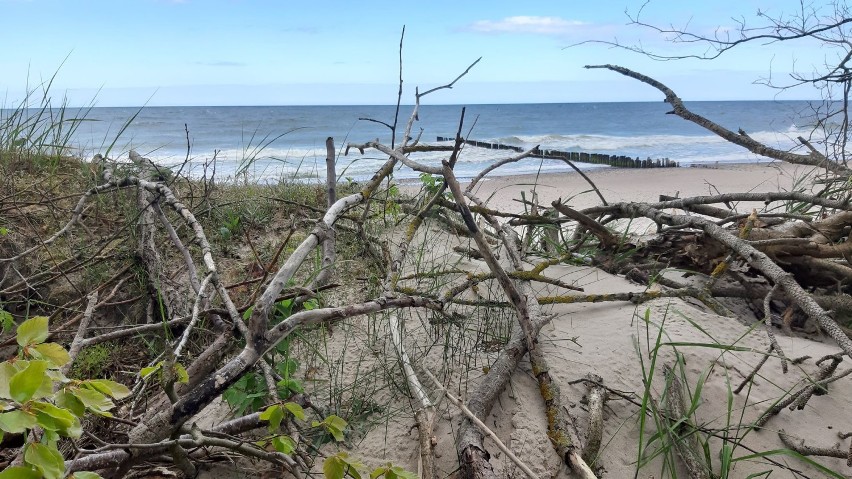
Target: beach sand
616,184
609,339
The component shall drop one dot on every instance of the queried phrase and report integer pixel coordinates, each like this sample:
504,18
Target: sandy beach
613,340
617,184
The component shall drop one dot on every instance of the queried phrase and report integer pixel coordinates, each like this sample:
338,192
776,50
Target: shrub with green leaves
250,392
337,466
41,403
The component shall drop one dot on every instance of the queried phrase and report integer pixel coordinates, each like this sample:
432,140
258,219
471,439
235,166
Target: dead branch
813,159
607,239
597,396
481,425
767,313
758,260
528,310
680,429
76,344
799,446
819,382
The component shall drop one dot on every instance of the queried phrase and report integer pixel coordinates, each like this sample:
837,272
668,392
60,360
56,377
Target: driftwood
814,158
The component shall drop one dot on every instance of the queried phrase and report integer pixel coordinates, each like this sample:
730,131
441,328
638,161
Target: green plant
336,466
341,465
678,426
92,361
391,205
431,183
250,392
37,399
231,226
7,322
275,414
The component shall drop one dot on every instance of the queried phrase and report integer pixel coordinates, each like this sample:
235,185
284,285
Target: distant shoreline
629,184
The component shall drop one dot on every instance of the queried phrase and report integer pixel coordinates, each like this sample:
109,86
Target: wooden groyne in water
578,157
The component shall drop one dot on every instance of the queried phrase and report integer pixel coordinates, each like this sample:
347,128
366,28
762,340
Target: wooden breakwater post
619,161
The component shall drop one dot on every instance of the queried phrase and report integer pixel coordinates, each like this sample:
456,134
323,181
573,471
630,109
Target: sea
282,143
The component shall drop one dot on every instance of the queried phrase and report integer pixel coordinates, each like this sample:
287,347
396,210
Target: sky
321,52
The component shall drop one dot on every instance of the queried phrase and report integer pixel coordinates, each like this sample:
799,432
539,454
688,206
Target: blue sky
231,52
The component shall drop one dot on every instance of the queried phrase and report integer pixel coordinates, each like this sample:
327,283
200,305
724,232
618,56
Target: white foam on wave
605,143
275,163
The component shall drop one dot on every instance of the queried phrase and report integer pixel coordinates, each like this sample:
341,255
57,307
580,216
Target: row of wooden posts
619,161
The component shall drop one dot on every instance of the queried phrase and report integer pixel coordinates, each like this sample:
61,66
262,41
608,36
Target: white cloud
527,24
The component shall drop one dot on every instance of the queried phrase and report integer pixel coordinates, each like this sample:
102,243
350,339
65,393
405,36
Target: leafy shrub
36,396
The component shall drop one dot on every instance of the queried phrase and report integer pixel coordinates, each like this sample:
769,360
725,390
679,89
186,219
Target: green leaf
56,376
46,460
149,370
333,468
52,352
284,309
16,422
336,421
335,426
288,386
19,472
296,410
310,304
284,444
274,414
182,375
86,475
7,322
110,388
65,399
7,370
350,466
93,400
288,367
57,419
46,388
25,383
33,331
400,472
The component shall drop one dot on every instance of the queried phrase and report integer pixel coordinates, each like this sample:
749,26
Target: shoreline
633,184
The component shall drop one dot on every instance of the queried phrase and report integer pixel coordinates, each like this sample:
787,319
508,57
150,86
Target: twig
199,298
800,447
757,259
597,396
767,312
754,371
77,343
813,159
607,239
799,398
681,430
481,425
527,309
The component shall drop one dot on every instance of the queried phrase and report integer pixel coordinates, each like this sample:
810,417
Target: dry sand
640,184
607,339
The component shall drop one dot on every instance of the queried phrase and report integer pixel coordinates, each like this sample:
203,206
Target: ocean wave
309,162
606,143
